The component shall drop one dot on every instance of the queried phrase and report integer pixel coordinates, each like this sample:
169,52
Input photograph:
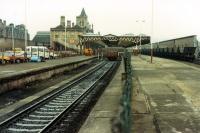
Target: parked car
22,56
13,57
36,58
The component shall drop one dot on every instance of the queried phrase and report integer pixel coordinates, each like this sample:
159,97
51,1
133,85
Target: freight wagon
185,48
113,53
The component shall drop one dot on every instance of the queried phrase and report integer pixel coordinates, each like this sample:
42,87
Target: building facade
2,28
18,31
69,32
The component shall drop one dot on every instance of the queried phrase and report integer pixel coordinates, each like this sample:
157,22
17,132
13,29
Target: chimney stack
68,24
62,20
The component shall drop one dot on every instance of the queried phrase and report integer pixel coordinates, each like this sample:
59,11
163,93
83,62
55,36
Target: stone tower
82,20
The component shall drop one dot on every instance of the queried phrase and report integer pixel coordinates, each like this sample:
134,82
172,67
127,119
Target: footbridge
110,40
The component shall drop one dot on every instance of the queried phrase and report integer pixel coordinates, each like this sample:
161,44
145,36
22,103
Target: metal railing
125,115
124,120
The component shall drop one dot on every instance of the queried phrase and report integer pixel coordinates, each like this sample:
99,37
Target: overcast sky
172,18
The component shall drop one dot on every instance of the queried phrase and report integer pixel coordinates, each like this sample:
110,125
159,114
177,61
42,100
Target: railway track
45,114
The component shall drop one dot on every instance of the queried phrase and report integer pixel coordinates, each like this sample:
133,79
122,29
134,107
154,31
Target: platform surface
99,119
14,69
173,90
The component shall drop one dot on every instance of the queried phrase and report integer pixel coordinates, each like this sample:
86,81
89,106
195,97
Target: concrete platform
99,119
108,108
173,91
8,111
18,75
142,118
14,69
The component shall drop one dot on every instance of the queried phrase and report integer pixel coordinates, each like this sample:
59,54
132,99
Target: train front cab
88,52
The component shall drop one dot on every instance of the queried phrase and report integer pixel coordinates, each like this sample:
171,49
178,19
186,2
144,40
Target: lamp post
13,41
65,39
25,45
140,23
25,31
152,31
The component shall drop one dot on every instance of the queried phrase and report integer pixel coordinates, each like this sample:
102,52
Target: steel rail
33,107
82,96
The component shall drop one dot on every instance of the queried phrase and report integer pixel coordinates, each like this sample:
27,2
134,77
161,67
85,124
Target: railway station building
68,33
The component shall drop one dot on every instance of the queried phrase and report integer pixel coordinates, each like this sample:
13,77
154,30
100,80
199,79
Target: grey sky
172,18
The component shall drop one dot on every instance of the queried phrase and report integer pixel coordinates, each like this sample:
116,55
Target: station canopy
114,41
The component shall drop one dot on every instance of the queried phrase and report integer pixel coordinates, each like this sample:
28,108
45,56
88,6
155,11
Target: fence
124,119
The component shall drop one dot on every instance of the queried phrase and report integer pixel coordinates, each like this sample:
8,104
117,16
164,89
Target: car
22,56
36,58
10,57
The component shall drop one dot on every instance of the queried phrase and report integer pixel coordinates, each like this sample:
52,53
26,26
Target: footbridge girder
113,40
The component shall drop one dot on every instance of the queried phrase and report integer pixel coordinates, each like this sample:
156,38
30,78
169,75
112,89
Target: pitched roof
43,33
83,14
60,27
41,38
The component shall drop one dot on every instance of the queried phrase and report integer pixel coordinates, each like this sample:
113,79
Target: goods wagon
185,48
113,53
